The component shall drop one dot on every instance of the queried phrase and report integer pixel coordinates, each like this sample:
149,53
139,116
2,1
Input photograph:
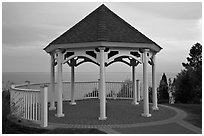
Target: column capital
102,48
145,50
58,50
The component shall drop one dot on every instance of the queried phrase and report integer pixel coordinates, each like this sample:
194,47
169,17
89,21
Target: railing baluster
24,111
36,107
26,107
32,105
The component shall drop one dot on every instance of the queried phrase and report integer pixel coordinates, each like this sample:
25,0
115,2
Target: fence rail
25,99
25,103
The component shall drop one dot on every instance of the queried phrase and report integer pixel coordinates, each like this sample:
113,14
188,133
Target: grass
194,113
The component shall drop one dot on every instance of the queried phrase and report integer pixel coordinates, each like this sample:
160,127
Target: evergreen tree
195,59
163,90
188,84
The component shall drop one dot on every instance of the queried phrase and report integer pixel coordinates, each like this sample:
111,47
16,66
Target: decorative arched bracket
132,62
76,61
88,56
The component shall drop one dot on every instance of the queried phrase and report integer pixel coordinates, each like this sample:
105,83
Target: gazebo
102,38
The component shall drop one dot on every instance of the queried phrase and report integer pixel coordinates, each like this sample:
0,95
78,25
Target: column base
135,103
72,103
43,125
102,118
59,115
146,115
52,108
155,108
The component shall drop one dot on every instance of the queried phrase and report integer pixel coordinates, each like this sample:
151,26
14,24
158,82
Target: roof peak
102,24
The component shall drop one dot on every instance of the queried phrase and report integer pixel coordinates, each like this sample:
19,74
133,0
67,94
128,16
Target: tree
163,90
188,83
195,59
171,91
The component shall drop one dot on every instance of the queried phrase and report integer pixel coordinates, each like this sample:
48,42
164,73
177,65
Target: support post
43,101
99,89
52,83
145,86
134,87
72,83
138,89
102,86
154,89
59,85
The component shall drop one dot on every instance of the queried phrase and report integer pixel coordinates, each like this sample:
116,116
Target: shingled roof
102,25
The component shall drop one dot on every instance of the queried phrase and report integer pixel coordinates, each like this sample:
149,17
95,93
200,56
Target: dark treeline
187,86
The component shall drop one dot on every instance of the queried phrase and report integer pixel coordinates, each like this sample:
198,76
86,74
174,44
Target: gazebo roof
102,25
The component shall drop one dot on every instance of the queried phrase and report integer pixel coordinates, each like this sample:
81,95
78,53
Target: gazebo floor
86,112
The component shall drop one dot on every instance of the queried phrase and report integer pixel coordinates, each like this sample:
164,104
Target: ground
194,113
194,117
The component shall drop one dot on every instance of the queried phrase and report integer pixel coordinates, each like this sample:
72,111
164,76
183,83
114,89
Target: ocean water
44,77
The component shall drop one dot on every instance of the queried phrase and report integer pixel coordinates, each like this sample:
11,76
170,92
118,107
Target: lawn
194,113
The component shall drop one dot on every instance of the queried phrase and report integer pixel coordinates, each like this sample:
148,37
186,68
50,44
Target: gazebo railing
87,90
29,101
26,103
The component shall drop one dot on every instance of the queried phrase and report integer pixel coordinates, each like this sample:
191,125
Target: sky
29,27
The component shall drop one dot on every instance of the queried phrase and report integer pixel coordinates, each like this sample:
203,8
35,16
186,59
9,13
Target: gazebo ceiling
99,27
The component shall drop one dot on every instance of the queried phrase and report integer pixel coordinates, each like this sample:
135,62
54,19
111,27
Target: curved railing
26,102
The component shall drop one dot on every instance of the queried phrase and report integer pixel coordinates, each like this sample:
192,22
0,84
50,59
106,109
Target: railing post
28,84
44,108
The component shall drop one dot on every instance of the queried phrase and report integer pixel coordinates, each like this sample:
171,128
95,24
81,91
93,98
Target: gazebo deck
86,112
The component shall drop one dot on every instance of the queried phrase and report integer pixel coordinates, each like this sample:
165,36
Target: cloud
173,10
28,27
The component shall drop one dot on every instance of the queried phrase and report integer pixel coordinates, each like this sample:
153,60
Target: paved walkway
174,125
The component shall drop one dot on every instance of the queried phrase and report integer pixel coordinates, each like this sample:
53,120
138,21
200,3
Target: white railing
27,103
27,100
87,90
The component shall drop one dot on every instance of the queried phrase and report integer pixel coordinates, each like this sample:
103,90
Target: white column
52,83
59,84
43,101
138,89
99,89
102,86
154,89
134,87
72,84
145,86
